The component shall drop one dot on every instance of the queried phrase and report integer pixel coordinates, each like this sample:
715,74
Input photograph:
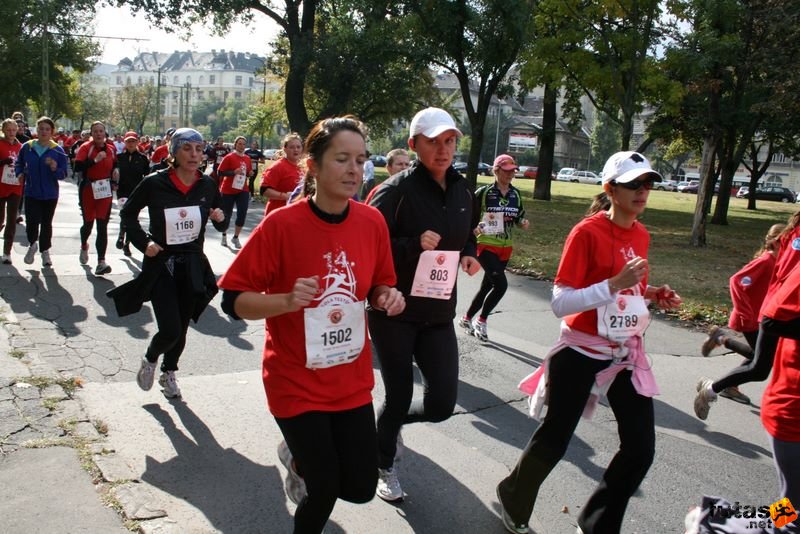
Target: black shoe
120,242
127,250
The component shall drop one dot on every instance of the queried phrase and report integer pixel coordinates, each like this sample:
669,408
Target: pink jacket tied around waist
630,356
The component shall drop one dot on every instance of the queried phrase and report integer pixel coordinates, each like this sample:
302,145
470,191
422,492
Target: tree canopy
26,24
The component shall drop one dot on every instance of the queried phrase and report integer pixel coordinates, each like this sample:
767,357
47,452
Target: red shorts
93,209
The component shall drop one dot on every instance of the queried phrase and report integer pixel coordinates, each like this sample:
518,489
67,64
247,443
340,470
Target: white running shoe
466,323
31,253
169,384
480,329
294,485
146,374
235,242
83,257
46,261
388,487
704,398
224,241
102,268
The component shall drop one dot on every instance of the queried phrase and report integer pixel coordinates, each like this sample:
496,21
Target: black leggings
493,285
101,241
173,303
571,376
40,219
758,368
8,216
334,452
398,344
241,201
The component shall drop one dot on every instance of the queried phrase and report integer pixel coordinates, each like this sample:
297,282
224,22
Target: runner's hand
470,265
391,301
303,292
216,215
152,249
429,240
525,224
666,298
631,274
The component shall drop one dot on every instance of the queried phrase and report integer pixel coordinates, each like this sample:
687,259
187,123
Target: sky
119,22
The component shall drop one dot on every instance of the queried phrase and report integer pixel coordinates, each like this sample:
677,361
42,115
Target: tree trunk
547,145
301,45
698,238
475,150
627,130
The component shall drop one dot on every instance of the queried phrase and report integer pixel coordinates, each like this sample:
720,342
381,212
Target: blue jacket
40,182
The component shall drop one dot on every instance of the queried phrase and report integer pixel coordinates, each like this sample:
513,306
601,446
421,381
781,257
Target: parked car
774,193
666,185
269,153
585,177
742,192
564,174
378,160
483,168
683,185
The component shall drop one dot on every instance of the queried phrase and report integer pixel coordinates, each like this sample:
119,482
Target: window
225,95
175,81
189,80
251,81
152,80
119,80
139,81
238,80
202,80
201,95
211,94
212,79
237,95
128,80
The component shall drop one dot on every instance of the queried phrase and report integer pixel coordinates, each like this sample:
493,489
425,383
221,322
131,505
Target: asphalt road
209,461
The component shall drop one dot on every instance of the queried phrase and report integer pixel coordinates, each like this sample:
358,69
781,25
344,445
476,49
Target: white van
585,177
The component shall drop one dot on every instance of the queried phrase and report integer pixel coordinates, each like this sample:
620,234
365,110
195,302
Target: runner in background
176,277
158,160
96,161
308,269
397,160
748,288
10,186
256,156
215,155
759,367
500,208
283,176
41,163
233,173
428,209
132,166
601,291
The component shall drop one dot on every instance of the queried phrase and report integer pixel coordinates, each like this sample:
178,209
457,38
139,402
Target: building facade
183,79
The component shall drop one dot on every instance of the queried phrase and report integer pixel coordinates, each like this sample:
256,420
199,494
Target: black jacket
157,192
133,166
412,202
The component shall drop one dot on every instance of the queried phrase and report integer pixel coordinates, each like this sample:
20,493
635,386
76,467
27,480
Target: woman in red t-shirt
601,292
234,188
279,180
10,186
308,269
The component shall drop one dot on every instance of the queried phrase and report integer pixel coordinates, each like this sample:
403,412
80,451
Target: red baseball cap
131,135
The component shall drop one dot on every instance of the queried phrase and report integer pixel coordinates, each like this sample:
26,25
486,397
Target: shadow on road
42,297
234,493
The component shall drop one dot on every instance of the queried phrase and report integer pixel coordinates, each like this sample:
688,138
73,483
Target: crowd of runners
329,272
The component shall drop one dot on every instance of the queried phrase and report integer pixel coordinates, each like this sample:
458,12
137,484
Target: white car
564,174
666,185
585,177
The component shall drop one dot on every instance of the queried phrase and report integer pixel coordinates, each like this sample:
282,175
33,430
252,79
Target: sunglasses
635,185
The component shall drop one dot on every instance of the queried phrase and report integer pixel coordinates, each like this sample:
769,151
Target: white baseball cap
431,122
624,167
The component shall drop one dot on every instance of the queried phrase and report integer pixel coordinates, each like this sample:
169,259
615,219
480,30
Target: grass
16,353
700,275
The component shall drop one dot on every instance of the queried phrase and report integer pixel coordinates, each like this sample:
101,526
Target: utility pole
186,115
45,64
158,101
